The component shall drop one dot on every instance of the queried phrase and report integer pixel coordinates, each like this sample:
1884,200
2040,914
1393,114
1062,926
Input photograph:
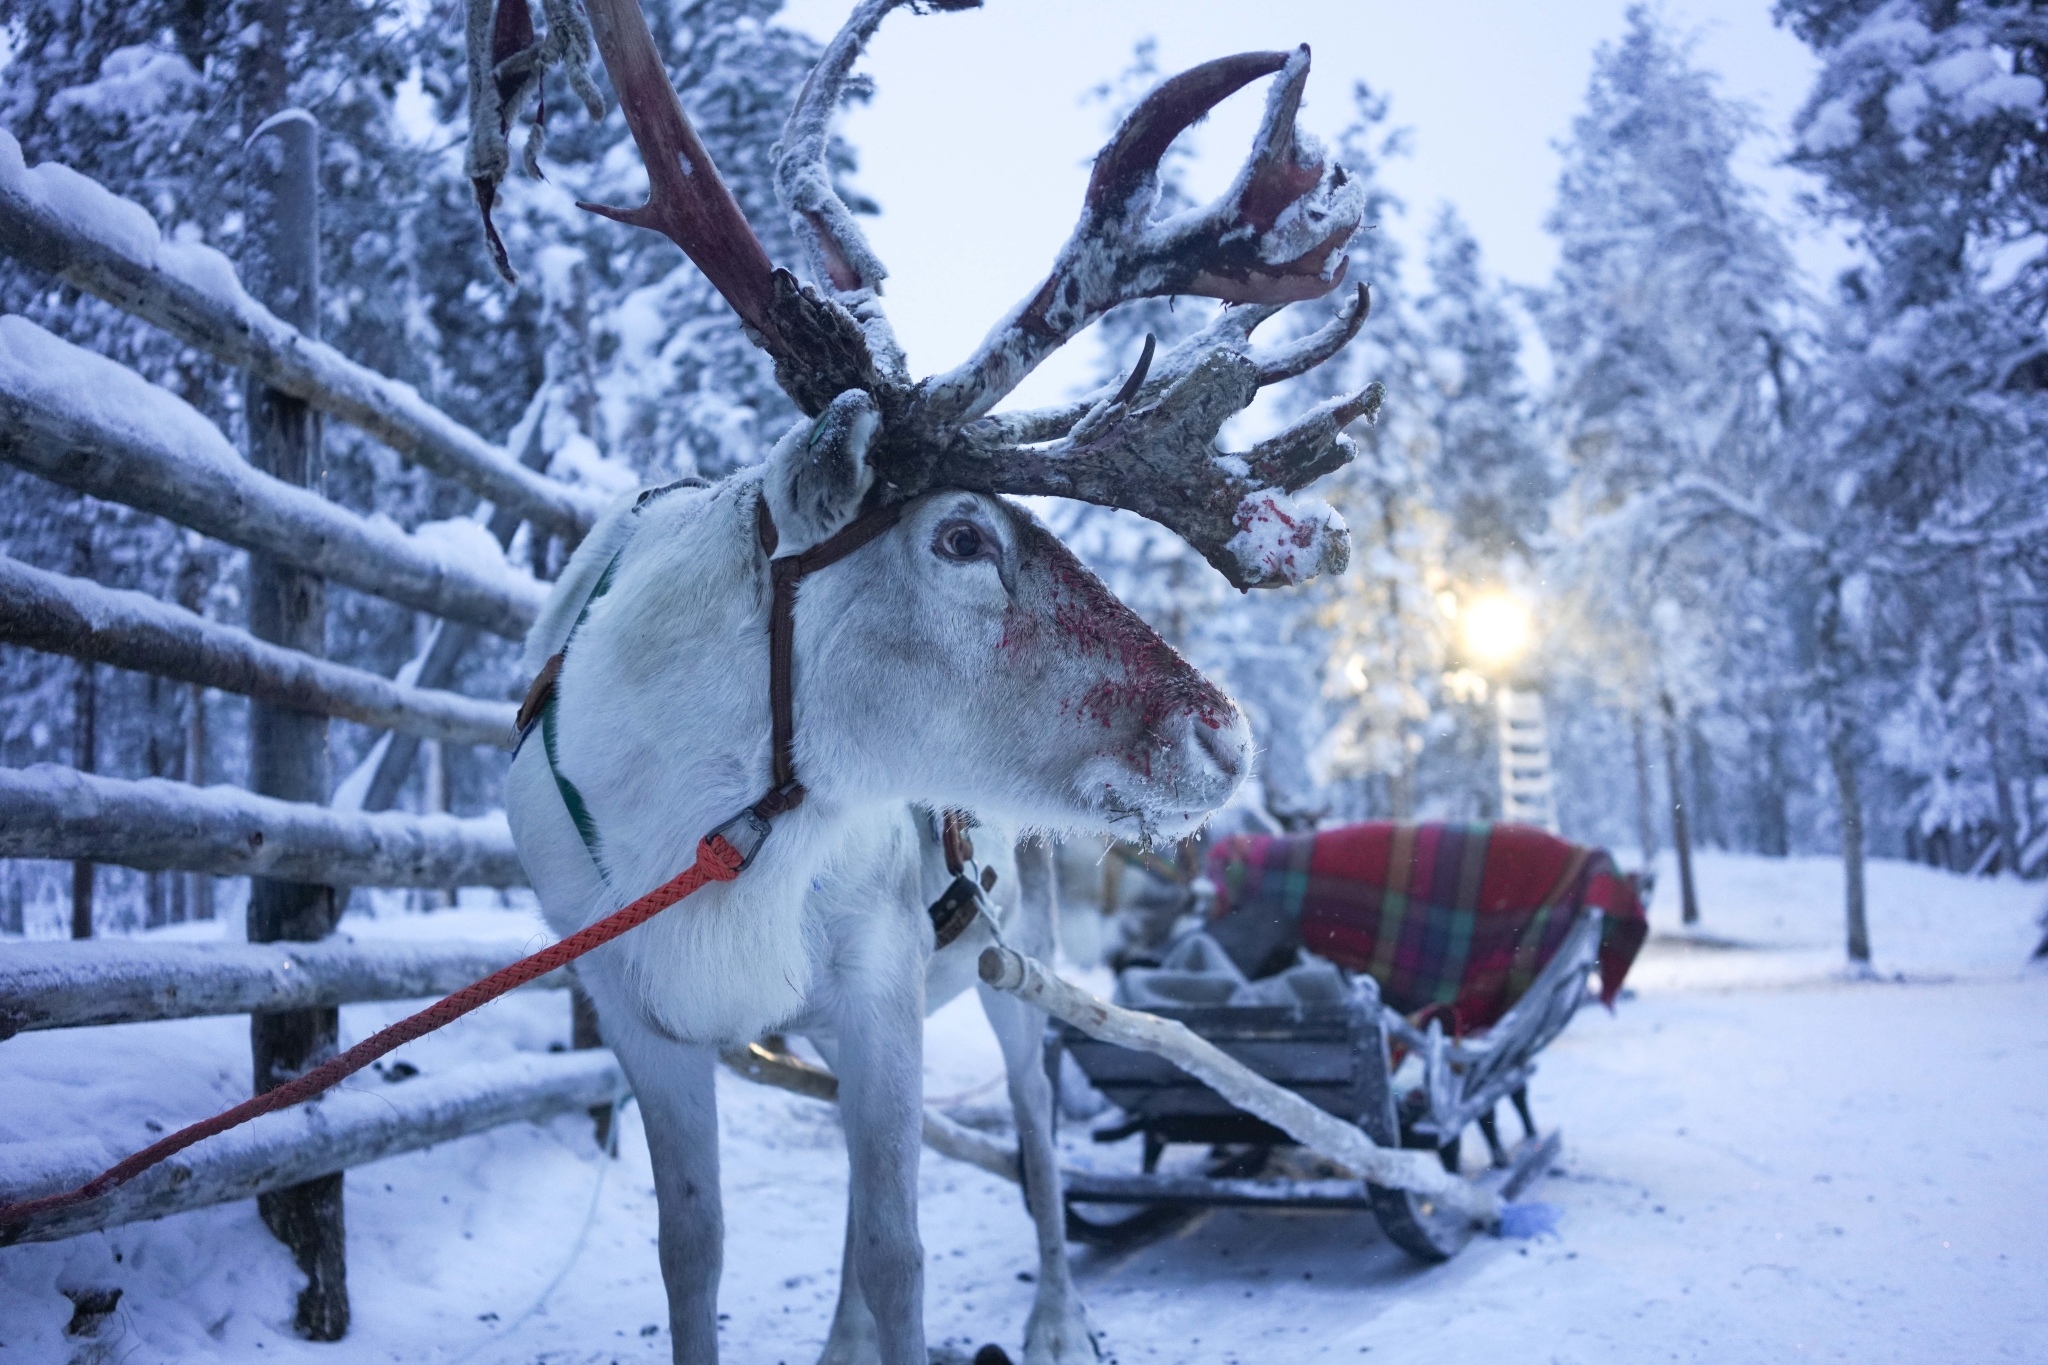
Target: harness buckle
749,844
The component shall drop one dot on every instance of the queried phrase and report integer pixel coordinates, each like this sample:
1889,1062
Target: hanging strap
786,574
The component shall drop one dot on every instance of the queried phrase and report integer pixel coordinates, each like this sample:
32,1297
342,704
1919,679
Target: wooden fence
81,421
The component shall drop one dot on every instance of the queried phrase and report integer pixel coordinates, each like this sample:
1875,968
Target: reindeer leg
1057,1333
878,1018
678,1105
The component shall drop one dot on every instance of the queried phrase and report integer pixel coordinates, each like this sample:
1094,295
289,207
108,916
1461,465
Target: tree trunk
1646,804
85,759
1681,834
2000,732
1841,742
1842,756
1777,820
584,1034
288,606
201,904
1706,810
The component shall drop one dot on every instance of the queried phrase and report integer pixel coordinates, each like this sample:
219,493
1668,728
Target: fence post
288,749
86,747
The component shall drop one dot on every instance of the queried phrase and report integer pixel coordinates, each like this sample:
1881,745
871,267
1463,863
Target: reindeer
946,653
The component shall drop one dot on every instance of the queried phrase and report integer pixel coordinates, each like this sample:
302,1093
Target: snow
1763,1161
1282,539
134,81
47,372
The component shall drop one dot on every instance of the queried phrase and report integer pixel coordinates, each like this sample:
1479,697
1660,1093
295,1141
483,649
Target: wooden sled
1335,1047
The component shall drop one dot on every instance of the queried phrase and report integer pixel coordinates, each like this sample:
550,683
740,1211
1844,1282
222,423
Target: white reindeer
960,659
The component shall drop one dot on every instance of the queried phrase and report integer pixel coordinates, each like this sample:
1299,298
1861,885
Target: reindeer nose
1225,746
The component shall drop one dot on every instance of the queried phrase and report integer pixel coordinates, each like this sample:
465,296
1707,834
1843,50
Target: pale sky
978,141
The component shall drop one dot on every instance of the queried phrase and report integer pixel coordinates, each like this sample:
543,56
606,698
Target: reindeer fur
1008,683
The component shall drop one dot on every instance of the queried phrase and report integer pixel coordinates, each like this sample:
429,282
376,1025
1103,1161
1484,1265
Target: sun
1496,629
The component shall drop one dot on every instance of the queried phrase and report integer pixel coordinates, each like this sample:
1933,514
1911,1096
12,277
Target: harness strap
717,861
785,575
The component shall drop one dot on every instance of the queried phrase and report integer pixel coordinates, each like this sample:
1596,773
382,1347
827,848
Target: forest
1783,540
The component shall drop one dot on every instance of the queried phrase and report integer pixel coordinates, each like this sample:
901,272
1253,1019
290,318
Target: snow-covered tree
1926,125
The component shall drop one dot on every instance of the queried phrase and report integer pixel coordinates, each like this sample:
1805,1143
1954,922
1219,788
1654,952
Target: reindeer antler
1277,236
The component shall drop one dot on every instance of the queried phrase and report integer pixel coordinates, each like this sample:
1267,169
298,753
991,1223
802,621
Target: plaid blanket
1446,917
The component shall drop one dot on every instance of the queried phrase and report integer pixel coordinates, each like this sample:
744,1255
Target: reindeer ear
818,473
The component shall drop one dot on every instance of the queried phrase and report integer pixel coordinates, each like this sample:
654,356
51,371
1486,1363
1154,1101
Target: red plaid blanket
1457,917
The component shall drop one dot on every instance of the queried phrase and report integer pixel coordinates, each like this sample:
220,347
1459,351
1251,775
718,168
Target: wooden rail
365,1122
80,420
49,811
90,425
190,291
74,616
114,981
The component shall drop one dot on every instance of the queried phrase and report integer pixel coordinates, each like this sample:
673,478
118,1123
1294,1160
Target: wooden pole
85,760
287,606
1316,1129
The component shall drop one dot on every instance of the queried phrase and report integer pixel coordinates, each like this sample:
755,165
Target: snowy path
1795,1169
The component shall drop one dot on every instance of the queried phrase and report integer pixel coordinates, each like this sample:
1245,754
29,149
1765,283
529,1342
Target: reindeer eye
963,540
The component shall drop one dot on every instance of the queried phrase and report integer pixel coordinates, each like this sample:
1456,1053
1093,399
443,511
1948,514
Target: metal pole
288,749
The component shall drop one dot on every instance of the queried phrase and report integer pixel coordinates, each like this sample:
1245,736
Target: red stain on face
1143,678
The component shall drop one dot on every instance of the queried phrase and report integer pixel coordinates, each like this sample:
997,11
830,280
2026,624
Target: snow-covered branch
79,618
57,220
80,420
1317,1129
345,1128
49,811
67,984
1721,499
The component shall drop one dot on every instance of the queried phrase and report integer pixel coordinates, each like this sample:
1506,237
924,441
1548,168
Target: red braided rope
717,861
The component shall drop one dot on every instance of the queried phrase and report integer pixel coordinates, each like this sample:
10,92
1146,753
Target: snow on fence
86,423
80,420
77,985
342,1129
62,615
49,811
56,220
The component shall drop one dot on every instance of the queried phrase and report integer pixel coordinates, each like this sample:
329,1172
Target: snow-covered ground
1764,1162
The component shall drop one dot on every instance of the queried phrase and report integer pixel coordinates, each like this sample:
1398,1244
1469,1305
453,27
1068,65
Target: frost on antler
1151,449
1276,236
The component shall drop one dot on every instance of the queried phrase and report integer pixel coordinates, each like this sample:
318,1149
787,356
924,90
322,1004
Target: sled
1324,1034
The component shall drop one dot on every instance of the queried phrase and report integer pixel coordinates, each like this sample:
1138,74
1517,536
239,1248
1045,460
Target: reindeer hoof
991,1354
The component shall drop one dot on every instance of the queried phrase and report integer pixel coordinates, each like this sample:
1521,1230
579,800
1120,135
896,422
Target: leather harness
963,898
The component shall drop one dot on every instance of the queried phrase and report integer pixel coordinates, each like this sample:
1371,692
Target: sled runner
1445,959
